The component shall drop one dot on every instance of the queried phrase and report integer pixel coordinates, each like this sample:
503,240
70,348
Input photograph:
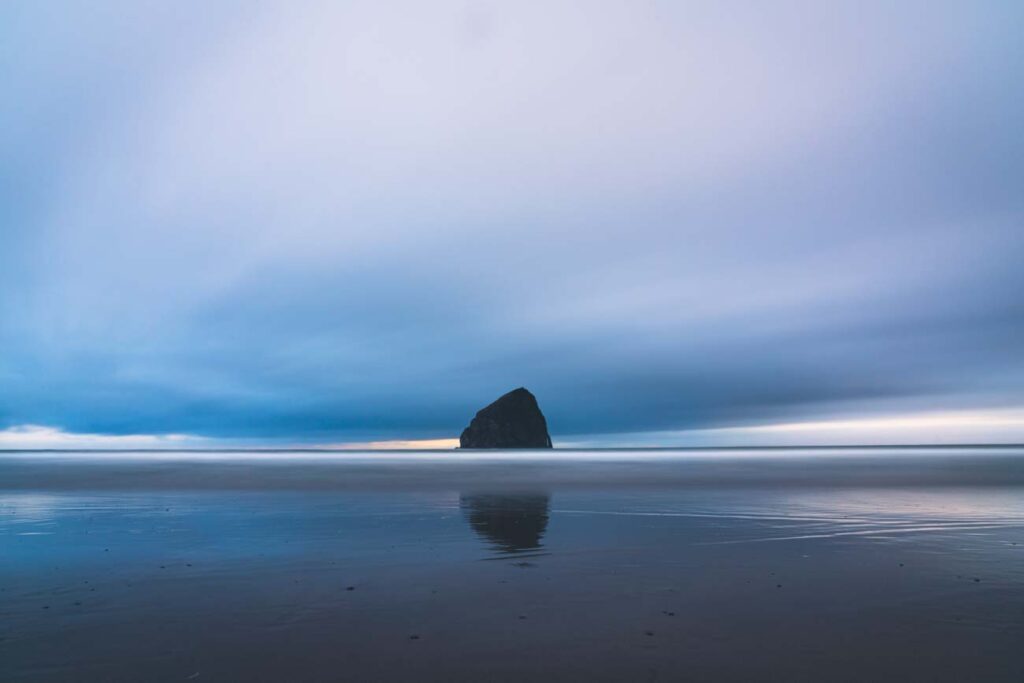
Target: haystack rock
513,421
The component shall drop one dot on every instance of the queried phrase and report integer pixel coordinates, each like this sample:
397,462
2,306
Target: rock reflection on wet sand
509,522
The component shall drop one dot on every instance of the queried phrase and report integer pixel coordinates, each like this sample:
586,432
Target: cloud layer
361,221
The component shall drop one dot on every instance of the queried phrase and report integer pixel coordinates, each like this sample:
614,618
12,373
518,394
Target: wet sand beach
810,565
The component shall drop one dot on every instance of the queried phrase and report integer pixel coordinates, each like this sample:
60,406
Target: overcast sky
330,222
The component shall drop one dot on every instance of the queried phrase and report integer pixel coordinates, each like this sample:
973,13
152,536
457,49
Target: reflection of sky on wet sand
775,515
993,505
30,508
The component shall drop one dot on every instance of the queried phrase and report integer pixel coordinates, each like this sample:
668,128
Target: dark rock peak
513,421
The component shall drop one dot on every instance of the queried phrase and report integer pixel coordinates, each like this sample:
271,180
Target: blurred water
613,565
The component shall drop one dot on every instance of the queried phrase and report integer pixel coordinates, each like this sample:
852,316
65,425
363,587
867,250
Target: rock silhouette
513,421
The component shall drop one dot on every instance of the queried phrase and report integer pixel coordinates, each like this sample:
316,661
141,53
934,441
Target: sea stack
513,421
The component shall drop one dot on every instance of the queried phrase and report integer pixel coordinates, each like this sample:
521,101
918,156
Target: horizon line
314,449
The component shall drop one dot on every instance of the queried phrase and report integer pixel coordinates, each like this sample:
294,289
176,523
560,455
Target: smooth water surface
847,564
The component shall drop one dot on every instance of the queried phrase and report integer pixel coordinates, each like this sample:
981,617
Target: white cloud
997,426
42,437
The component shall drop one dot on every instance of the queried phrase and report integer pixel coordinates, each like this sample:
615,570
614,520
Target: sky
356,223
